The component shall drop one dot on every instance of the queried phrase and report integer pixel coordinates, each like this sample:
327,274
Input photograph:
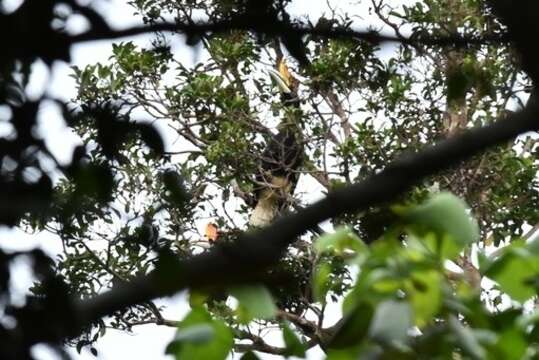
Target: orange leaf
212,232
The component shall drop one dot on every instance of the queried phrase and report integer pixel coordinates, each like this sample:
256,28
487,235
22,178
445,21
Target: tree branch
279,28
307,327
258,344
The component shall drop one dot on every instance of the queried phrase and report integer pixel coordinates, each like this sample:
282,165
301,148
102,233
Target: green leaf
447,216
196,334
511,345
294,346
201,337
484,261
533,244
79,346
526,320
249,356
197,298
342,240
424,291
514,272
345,354
466,339
353,328
391,322
320,282
255,301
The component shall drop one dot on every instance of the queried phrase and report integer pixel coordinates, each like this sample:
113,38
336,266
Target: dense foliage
417,278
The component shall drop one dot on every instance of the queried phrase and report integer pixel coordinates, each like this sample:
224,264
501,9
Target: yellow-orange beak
283,78
280,81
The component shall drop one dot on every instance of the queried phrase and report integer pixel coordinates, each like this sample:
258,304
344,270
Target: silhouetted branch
278,28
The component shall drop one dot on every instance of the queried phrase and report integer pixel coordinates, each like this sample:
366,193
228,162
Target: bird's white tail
266,209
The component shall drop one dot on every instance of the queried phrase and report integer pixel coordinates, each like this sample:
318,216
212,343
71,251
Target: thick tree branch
279,28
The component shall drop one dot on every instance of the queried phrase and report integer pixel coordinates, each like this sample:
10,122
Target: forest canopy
377,161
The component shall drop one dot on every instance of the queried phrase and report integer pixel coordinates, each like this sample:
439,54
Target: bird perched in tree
282,157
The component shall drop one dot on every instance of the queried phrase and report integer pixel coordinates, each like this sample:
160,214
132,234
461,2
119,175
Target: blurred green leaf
391,322
249,356
353,327
255,302
196,334
344,354
201,337
197,298
425,294
320,282
515,271
466,339
293,345
511,345
447,216
342,240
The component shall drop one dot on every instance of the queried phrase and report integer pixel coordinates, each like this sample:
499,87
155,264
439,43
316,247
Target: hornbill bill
280,161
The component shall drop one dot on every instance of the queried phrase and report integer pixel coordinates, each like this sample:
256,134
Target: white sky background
148,341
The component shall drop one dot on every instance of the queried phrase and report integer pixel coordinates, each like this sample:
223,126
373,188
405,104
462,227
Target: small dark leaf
152,138
175,186
249,356
14,94
93,350
80,345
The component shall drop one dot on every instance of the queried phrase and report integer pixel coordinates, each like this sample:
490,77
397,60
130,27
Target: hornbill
280,161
